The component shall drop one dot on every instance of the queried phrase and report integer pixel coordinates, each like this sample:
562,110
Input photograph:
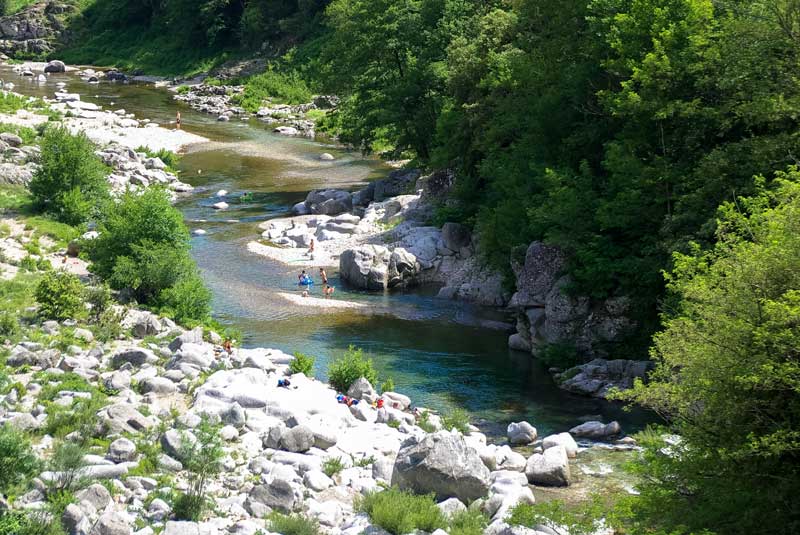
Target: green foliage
9,325
144,246
99,299
71,181
169,158
288,88
295,524
457,419
424,422
302,363
17,461
726,376
582,519
470,522
203,460
332,465
346,369
400,512
60,296
387,385
66,462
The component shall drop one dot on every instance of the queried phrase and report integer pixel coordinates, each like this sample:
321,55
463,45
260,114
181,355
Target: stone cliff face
546,314
33,30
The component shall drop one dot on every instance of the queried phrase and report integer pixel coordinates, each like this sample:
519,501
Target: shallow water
438,352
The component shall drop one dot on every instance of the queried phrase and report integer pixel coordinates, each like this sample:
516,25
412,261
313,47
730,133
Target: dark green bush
302,363
17,460
71,181
188,301
60,296
344,370
288,88
561,355
400,512
9,325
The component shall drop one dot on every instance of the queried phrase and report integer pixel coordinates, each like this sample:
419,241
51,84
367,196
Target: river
438,352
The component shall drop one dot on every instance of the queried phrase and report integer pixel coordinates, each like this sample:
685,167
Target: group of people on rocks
305,281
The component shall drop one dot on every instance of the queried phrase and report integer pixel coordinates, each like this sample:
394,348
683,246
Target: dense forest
643,137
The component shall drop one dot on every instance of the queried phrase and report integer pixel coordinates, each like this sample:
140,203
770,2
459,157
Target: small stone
121,450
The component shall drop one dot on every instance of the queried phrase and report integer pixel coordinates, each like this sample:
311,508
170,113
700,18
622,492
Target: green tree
17,460
71,181
728,377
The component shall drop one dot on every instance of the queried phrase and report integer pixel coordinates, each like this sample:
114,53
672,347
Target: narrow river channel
438,352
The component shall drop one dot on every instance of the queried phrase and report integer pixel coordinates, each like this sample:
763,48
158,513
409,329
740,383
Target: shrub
388,385
302,363
188,301
401,512
17,461
66,463
71,180
9,325
561,355
424,422
295,524
467,523
99,299
332,465
289,88
60,296
556,515
203,460
346,369
80,417
457,419
108,326
135,220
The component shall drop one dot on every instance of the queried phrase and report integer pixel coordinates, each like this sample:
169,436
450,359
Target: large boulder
329,201
277,495
399,182
403,268
596,430
111,523
441,463
456,236
550,468
363,390
365,267
298,439
521,433
561,439
136,356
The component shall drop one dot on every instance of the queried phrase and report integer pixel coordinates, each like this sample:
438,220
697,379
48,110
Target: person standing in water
178,121
323,275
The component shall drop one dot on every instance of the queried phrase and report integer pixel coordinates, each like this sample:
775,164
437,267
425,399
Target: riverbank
282,447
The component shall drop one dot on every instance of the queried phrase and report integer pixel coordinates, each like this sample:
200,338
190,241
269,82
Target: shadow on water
435,350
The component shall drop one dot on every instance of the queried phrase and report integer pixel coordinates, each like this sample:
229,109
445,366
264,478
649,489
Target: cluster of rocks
379,237
220,100
277,440
18,162
597,377
35,29
134,170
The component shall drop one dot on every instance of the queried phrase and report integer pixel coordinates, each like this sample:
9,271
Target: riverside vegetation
614,129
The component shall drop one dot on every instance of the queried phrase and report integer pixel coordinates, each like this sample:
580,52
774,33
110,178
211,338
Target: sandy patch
23,118
317,302
293,256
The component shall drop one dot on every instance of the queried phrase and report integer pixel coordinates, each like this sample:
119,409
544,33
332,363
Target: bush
332,465
188,302
288,88
169,158
99,299
150,269
467,523
457,419
561,355
302,363
60,296
9,325
401,512
66,462
295,524
71,180
108,326
583,519
203,460
135,220
388,385
346,369
17,461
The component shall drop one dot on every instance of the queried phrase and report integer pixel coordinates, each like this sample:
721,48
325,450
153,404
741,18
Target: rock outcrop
33,30
441,463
